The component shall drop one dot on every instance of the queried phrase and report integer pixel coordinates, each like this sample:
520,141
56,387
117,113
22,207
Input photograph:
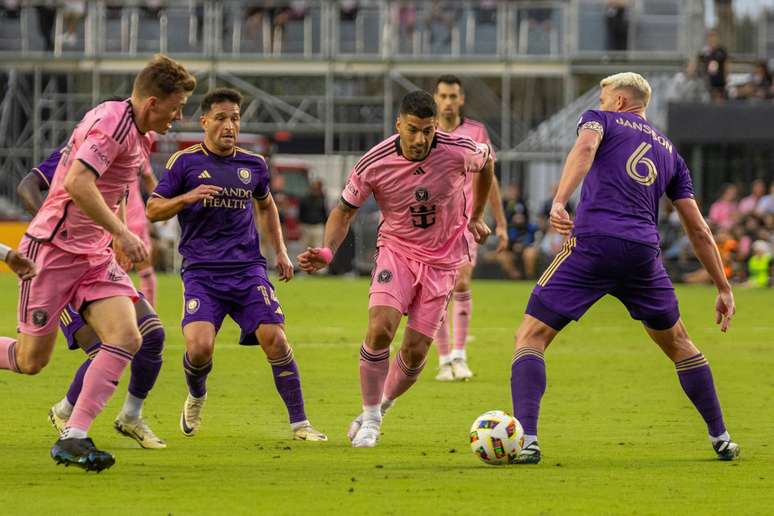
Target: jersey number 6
638,157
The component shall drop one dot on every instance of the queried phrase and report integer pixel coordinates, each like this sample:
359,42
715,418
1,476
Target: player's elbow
152,211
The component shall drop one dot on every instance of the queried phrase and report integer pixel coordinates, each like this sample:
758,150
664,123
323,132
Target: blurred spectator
724,211
545,210
165,234
513,203
404,17
312,215
278,14
46,22
758,84
617,25
750,203
10,8
486,12
766,204
714,60
688,86
73,13
549,247
727,247
440,21
759,265
348,10
152,8
520,260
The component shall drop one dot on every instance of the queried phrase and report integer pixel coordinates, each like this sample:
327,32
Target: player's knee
130,340
153,336
199,348
463,284
380,335
536,336
31,364
414,353
274,343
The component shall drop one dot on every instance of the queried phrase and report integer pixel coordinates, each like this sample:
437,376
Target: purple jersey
46,169
218,233
634,166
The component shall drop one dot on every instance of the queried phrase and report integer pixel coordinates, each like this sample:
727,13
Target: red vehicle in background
289,176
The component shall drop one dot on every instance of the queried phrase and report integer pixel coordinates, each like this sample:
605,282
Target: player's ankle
722,437
459,354
445,359
529,439
372,413
64,408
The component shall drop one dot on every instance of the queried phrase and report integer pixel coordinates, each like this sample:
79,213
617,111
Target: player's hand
21,265
131,245
311,260
284,266
123,261
201,192
479,229
560,219
725,308
502,239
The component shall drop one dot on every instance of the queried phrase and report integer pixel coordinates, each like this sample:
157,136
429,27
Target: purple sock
288,384
196,376
146,363
528,383
77,384
695,377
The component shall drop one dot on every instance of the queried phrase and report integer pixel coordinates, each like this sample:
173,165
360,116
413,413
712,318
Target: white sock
132,408
529,439
445,359
74,433
459,354
386,405
299,424
63,408
372,413
722,437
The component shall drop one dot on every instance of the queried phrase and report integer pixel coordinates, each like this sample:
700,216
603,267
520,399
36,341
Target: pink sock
442,340
463,306
373,372
99,384
8,354
148,284
401,377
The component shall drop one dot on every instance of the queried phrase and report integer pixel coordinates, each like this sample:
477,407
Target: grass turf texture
618,434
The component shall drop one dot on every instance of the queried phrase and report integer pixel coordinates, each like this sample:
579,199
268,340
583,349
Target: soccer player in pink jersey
417,179
453,364
69,241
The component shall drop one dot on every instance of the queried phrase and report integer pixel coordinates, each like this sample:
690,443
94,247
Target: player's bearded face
416,135
221,126
165,111
449,99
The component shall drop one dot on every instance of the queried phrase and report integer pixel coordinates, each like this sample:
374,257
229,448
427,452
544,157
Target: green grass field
618,434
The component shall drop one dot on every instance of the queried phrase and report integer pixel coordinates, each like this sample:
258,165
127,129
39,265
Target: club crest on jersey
244,175
421,194
384,276
192,305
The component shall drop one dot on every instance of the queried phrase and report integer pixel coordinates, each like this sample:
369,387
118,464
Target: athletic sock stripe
193,370
372,357
408,371
117,351
682,369
284,360
526,352
701,360
690,359
463,296
12,357
150,329
91,350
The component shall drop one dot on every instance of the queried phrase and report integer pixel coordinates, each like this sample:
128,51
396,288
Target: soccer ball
496,437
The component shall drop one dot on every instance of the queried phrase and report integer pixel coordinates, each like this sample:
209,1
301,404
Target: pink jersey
109,143
135,207
476,131
423,203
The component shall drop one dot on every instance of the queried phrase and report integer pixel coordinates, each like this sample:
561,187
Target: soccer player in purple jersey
453,364
626,165
418,180
217,190
146,363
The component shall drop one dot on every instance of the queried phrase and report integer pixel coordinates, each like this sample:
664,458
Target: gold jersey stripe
561,257
193,148
251,153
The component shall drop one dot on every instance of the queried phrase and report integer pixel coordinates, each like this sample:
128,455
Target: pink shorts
65,278
415,289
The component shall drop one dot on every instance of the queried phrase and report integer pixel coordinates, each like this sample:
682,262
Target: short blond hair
631,81
162,77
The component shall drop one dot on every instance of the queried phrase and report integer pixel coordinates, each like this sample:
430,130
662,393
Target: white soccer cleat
354,426
368,434
191,417
57,420
461,370
138,429
445,373
308,433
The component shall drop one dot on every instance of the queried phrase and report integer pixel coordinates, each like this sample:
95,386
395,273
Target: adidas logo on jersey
418,171
205,175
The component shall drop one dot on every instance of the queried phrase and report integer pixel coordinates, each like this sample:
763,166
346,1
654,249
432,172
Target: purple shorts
248,298
589,267
70,321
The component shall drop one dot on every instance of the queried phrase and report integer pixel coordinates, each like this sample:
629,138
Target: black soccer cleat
530,454
726,450
81,453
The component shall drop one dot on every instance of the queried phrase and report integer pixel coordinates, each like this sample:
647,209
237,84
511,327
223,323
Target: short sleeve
476,157
593,120
681,185
171,183
357,190
261,190
99,149
47,169
485,139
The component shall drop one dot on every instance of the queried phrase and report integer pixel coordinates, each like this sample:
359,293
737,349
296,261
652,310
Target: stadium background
323,79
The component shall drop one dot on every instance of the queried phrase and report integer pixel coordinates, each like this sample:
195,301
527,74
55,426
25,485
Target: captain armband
594,126
4,252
